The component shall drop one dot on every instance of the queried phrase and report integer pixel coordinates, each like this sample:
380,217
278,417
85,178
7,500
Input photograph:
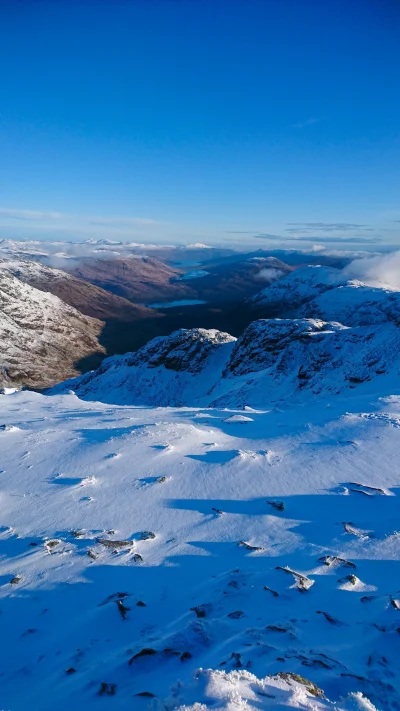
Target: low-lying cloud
269,274
383,269
304,227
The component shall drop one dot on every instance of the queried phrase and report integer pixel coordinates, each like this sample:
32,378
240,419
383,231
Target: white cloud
269,274
383,269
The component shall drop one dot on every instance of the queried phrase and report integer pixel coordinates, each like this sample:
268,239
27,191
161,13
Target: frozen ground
141,545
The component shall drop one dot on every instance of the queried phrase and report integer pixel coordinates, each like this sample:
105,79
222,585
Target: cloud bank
380,270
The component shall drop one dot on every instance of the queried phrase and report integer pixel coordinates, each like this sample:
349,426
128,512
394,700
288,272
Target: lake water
196,274
171,304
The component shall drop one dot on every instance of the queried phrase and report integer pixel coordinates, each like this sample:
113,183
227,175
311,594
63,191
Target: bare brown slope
138,279
87,298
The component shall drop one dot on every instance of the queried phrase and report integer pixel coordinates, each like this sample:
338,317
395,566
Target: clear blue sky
200,119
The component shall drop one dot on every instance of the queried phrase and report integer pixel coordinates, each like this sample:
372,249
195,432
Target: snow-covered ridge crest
26,270
274,360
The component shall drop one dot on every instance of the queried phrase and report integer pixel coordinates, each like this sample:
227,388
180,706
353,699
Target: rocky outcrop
274,359
186,350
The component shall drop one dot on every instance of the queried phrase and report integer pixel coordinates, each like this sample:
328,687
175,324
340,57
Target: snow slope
299,287
141,545
41,337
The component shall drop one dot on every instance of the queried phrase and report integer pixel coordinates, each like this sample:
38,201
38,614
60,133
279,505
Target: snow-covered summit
27,270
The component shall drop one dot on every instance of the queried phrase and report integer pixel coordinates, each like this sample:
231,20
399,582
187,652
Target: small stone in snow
147,535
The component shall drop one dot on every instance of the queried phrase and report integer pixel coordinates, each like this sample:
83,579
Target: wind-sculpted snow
41,336
198,559
327,293
274,360
242,691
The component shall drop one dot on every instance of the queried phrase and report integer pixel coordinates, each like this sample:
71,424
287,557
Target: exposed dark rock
123,610
145,652
312,688
278,505
237,659
329,618
16,580
185,656
107,689
147,536
108,543
146,694
302,580
201,610
276,628
249,547
331,559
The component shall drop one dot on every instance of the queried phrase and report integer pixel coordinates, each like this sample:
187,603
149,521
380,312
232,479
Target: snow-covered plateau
208,523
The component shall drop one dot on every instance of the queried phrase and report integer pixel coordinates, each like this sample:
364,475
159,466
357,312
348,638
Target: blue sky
201,120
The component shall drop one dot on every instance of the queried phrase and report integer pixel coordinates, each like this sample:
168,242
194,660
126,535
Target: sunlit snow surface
249,549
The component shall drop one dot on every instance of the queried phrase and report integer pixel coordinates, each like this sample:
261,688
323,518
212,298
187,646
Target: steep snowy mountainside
41,336
87,298
165,559
297,288
274,360
327,293
356,304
